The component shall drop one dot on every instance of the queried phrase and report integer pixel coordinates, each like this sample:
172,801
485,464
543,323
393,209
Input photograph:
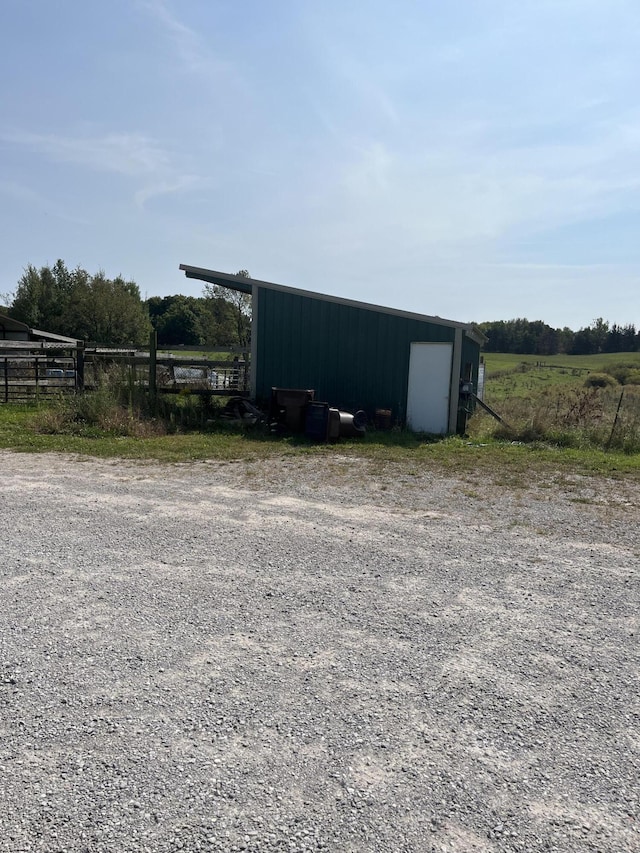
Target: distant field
549,399
514,376
224,355
507,361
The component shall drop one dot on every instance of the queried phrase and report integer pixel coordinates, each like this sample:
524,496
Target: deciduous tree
241,305
74,303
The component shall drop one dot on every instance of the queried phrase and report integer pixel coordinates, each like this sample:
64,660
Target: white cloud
189,47
122,153
31,198
178,185
185,40
466,189
134,156
370,174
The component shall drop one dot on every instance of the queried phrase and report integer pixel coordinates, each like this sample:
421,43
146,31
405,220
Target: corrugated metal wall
354,358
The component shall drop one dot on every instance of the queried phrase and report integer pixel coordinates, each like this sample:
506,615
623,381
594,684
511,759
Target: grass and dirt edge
560,426
502,460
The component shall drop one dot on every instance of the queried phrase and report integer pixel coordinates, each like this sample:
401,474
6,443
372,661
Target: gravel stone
316,654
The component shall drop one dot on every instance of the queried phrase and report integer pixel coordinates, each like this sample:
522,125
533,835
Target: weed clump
600,380
595,417
117,405
624,372
114,407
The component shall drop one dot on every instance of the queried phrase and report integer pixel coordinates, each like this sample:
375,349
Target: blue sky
474,159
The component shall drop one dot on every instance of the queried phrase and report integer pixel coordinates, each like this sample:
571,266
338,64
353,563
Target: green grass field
509,376
507,361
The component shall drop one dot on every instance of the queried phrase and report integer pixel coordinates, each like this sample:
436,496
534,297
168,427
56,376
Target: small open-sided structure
357,356
33,362
14,330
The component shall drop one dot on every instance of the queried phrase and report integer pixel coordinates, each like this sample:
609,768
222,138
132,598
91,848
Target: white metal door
429,387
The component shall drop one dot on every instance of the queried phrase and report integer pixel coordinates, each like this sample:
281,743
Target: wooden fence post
615,421
80,366
153,350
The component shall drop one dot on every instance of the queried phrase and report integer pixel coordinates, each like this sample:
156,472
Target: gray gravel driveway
315,654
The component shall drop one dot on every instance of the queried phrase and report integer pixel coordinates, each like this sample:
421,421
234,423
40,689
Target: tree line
111,311
537,338
95,308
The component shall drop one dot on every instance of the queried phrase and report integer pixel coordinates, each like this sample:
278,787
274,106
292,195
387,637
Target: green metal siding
354,358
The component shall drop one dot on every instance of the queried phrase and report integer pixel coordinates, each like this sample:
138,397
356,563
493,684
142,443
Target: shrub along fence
30,370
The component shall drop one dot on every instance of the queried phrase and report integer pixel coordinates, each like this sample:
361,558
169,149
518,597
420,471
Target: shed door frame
431,405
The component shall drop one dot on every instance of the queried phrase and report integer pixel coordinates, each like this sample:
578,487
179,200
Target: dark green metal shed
355,355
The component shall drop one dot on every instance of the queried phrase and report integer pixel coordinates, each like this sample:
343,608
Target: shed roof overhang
476,335
38,335
233,282
9,324
246,285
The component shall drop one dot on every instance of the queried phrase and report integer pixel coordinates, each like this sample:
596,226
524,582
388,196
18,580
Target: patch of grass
214,355
528,383
512,464
20,430
497,361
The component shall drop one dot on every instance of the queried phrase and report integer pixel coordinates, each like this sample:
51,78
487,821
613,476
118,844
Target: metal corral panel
354,358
